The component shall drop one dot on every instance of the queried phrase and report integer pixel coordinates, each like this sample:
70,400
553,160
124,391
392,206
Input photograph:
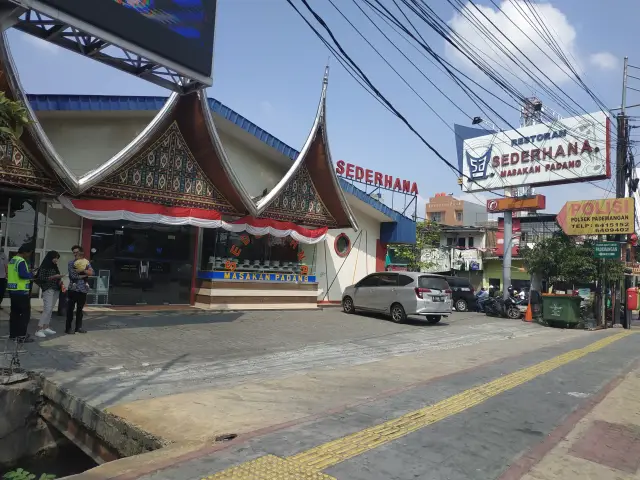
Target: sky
268,66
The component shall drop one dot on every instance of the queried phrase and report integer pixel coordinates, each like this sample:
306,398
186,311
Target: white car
400,294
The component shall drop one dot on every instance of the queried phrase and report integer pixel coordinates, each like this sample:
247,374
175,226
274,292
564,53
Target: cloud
41,44
514,19
603,60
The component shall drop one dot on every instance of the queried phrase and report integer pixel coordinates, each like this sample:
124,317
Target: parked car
400,295
464,295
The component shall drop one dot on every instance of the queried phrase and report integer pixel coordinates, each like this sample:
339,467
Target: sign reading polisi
365,175
574,149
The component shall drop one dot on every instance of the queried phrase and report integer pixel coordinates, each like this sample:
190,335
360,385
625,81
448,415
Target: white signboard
570,150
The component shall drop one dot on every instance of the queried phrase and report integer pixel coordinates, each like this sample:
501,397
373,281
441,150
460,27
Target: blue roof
48,102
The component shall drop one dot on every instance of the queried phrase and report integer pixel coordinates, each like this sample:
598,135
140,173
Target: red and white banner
110,210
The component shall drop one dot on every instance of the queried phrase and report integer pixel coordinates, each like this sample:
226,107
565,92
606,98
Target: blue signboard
257,277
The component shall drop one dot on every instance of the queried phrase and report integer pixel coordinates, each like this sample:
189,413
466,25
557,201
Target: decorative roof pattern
299,202
17,169
165,173
315,157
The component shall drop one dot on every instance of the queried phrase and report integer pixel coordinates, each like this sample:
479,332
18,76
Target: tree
13,117
560,259
427,236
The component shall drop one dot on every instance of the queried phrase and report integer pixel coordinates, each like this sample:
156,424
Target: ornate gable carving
18,170
165,173
300,203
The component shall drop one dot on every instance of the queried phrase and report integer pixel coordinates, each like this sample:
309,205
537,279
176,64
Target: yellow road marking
310,463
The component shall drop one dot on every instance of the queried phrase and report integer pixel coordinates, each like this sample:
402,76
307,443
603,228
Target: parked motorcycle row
513,307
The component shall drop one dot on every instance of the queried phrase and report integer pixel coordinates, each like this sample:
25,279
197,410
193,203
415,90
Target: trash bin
562,311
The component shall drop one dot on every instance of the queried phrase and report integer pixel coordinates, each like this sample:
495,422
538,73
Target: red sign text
365,175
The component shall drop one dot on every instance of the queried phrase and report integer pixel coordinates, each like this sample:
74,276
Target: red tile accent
610,444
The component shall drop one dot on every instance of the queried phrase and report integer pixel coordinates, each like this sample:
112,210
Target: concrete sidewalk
599,441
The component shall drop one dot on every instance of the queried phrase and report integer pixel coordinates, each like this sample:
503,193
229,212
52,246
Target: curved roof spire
47,150
315,156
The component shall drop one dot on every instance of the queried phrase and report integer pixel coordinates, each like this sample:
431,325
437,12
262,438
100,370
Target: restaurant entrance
142,263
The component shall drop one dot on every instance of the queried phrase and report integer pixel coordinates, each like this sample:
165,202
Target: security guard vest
14,282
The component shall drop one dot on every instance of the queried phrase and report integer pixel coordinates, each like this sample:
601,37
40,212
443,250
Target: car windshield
433,283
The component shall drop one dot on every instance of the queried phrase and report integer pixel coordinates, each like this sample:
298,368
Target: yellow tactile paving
310,463
267,468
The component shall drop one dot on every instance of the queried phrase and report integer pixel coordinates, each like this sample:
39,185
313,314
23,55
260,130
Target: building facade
445,209
181,200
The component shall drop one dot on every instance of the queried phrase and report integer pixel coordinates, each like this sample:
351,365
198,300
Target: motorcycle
510,308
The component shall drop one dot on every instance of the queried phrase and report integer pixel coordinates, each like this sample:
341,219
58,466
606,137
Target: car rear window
458,282
435,283
404,280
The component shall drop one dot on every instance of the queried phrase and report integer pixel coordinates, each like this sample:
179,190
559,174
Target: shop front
202,207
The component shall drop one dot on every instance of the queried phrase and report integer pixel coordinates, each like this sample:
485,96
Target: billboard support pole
506,258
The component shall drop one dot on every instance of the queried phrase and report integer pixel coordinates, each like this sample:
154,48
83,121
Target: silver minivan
400,294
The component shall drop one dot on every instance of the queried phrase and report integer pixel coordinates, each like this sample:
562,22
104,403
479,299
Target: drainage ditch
46,429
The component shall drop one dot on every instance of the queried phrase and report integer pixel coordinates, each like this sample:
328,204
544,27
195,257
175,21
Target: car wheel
347,305
433,319
398,315
461,305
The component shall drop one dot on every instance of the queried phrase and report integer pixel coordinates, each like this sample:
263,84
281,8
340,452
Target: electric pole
621,189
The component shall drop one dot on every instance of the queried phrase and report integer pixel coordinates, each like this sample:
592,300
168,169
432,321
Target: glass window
61,217
370,281
342,245
255,253
434,283
436,216
388,280
461,242
22,233
404,280
470,242
62,238
459,216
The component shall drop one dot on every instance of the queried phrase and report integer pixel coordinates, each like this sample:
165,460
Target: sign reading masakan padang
571,150
609,216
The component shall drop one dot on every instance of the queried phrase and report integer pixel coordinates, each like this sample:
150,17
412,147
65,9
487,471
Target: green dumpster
561,311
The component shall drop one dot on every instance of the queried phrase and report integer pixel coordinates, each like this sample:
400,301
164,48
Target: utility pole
506,258
621,189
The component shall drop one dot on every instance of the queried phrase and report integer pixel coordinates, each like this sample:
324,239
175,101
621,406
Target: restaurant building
201,207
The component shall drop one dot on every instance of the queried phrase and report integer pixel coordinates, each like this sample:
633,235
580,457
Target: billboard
515,204
515,242
178,31
574,149
608,216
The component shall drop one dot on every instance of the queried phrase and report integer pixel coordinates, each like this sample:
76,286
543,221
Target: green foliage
427,236
560,259
20,474
13,117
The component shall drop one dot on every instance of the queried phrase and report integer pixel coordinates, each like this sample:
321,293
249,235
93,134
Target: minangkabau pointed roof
310,193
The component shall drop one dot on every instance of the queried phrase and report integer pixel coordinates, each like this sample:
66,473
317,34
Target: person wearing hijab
49,280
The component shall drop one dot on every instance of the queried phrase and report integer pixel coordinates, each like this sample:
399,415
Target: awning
143,212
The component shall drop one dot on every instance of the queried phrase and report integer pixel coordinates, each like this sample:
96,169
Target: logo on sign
479,166
492,205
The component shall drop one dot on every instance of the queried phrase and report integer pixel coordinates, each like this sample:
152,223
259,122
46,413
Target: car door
385,292
364,294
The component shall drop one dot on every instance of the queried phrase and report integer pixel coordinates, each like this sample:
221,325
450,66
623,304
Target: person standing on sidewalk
49,279
78,289
3,276
19,286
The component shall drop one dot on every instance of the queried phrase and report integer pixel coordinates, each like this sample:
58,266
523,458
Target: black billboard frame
59,28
